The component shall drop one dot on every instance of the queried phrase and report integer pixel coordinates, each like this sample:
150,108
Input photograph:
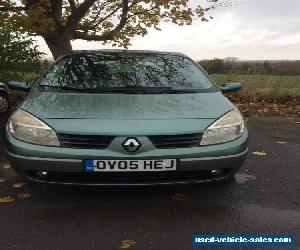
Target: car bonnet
57,105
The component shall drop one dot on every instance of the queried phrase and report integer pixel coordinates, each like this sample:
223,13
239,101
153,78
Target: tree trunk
59,44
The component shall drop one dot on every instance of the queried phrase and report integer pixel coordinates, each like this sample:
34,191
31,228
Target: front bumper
71,171
65,165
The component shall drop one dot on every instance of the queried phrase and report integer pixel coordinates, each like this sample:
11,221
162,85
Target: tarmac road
264,198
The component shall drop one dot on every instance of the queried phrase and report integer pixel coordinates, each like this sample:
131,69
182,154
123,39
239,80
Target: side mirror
230,87
18,85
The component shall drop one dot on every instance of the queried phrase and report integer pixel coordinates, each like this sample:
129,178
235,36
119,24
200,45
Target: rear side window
126,70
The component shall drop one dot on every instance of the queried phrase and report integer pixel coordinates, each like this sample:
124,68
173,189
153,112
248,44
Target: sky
249,30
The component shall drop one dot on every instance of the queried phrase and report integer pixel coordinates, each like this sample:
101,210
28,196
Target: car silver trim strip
43,159
214,158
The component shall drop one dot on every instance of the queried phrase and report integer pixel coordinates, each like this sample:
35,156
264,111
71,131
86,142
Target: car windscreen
102,71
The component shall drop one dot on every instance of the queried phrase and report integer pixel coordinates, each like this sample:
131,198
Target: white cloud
285,41
265,29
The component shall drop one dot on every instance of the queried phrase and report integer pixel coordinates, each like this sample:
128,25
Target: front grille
85,141
176,141
102,141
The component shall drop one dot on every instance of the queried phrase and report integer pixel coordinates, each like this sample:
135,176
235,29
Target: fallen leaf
24,195
18,184
179,197
251,177
259,153
281,142
126,244
6,199
2,180
6,166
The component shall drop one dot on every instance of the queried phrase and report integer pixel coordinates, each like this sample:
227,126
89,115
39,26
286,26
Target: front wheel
4,104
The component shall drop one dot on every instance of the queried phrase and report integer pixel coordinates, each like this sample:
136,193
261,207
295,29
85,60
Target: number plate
129,165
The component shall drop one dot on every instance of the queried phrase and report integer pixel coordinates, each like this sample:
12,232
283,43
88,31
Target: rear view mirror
230,87
18,85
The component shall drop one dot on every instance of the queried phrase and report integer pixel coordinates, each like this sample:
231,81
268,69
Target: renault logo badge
131,145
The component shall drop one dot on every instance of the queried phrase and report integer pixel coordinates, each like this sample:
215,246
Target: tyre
4,103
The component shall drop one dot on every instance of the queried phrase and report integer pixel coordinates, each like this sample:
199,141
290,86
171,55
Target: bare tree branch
72,5
100,8
111,34
56,9
106,17
108,35
78,14
17,8
88,37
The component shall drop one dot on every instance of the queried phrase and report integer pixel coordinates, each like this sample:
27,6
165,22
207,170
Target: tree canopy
18,54
108,21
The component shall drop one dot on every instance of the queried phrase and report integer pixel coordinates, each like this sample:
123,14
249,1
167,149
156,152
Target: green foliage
18,54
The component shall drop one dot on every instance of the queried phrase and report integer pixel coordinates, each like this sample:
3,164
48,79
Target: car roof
125,51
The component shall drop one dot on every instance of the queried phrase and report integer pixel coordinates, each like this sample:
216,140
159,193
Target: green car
121,117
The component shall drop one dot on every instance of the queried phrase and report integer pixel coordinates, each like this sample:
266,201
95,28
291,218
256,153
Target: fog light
216,171
43,173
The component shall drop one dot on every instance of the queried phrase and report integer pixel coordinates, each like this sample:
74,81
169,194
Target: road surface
264,199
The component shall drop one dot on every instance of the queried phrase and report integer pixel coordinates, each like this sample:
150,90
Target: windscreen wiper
129,90
179,91
81,90
162,90
69,88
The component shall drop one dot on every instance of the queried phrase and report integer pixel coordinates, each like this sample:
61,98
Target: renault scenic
124,117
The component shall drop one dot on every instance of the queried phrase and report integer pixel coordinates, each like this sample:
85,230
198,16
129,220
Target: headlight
227,128
28,128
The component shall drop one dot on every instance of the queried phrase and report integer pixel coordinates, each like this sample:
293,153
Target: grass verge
263,87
